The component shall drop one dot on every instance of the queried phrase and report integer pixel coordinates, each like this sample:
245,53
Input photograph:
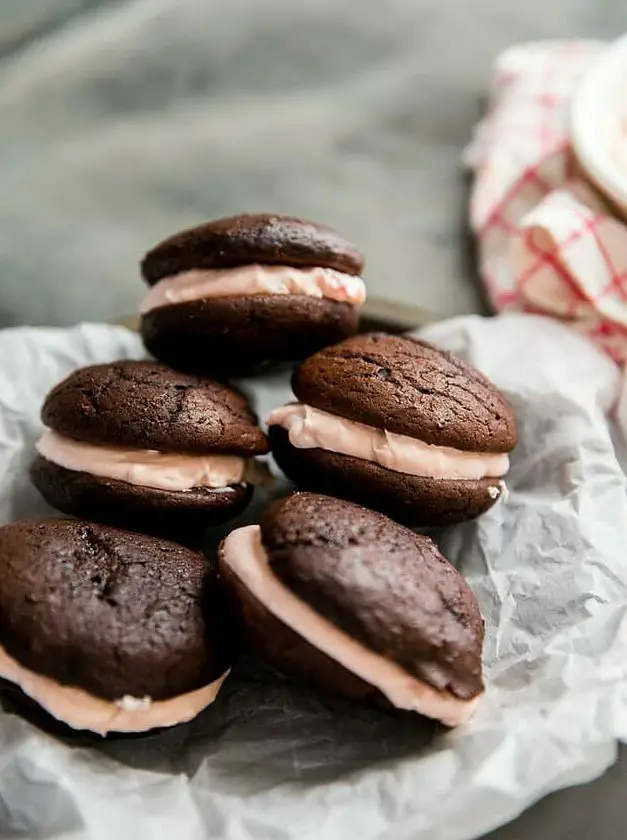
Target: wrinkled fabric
548,241
126,120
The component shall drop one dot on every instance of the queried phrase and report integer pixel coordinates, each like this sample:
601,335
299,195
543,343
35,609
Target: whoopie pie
398,425
233,295
350,602
106,630
136,444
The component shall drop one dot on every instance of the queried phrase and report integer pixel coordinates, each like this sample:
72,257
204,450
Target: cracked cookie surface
380,583
112,612
408,387
146,405
261,238
405,387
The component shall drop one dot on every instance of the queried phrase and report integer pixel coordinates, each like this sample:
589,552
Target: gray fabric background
123,121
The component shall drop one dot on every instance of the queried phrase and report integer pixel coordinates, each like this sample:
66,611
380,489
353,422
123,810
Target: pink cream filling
171,471
81,710
245,555
249,280
310,428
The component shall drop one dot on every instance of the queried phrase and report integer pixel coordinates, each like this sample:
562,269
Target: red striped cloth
547,241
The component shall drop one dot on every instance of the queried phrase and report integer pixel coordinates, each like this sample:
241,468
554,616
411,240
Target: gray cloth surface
124,121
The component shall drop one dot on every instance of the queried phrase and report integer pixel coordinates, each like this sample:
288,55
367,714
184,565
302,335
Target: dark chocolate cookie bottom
184,516
411,500
280,646
236,336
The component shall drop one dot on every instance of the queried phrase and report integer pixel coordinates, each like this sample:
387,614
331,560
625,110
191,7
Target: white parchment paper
271,761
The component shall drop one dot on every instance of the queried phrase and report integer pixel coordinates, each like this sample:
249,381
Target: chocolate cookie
398,425
351,602
236,294
108,630
262,238
139,445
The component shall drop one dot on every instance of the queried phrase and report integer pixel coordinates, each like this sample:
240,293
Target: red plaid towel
547,241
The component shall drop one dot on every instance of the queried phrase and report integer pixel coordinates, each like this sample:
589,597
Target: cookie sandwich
398,425
353,603
108,631
136,444
235,294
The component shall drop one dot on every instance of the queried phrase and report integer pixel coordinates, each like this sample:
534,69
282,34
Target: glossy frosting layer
81,710
310,428
172,471
247,280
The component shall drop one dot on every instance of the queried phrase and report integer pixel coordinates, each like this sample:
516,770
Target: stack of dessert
112,619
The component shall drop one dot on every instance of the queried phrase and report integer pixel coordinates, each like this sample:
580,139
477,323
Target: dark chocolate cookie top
240,240
108,611
381,583
408,387
146,405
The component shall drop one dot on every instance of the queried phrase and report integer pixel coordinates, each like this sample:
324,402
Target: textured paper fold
269,759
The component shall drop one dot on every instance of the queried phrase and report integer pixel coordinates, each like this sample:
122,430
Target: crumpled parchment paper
271,761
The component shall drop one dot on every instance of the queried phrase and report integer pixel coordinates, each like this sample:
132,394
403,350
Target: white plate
599,117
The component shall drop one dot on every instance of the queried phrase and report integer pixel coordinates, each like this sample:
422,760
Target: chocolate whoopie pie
350,602
398,425
234,294
106,630
139,445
